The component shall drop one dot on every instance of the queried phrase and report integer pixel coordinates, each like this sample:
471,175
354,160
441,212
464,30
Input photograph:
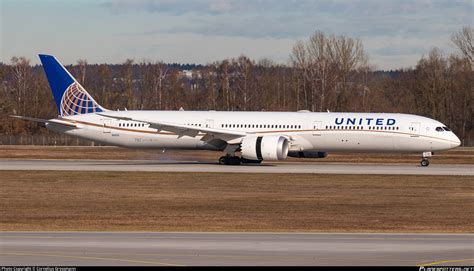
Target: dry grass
456,156
150,201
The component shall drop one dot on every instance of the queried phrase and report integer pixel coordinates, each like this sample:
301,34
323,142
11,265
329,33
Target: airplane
258,136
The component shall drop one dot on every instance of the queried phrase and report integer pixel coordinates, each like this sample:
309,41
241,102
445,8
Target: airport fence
45,140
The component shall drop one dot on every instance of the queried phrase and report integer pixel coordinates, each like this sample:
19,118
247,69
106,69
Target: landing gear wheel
425,158
222,160
230,160
248,161
425,162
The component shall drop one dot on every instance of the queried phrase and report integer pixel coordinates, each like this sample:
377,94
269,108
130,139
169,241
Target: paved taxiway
195,166
139,248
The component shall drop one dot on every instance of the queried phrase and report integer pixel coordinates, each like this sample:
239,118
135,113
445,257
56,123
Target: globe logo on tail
77,101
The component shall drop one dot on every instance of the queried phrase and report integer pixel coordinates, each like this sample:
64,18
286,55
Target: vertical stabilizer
71,98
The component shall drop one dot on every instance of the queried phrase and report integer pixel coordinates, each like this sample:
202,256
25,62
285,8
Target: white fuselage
325,132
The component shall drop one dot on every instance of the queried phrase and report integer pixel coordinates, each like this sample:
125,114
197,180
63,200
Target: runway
151,248
195,166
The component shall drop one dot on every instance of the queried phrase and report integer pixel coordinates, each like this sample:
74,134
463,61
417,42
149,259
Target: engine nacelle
307,154
265,147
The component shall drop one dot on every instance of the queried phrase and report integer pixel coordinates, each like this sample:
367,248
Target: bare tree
160,70
463,39
82,63
350,56
209,81
299,60
244,68
225,83
326,62
431,84
21,76
318,50
106,96
127,78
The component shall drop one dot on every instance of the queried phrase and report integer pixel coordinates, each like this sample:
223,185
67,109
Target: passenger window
446,129
439,129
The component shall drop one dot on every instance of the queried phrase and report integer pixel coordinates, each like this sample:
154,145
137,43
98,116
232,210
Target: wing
44,122
185,130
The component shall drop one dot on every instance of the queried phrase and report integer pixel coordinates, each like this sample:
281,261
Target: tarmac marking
445,261
87,258
248,257
395,238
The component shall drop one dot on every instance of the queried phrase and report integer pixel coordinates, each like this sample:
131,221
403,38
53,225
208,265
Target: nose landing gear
425,160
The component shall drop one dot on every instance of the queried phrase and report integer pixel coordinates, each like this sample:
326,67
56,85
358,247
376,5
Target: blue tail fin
71,98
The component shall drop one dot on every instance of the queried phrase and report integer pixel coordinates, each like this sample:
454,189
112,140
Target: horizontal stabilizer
45,122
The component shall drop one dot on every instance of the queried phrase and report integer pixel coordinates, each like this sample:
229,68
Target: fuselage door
317,126
106,124
209,124
415,128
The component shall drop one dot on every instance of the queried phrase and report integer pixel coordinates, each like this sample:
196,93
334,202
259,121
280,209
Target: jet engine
308,154
265,148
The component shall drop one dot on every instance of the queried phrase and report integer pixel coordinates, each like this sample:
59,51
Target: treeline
324,72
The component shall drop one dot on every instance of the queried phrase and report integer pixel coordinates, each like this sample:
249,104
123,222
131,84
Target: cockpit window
439,129
446,129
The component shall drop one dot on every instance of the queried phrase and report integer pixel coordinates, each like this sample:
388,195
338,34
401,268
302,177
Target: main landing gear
235,160
231,159
425,160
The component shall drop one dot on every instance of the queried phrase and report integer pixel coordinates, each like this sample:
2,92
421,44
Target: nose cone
456,141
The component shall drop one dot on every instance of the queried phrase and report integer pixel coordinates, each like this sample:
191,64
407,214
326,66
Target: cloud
394,31
296,19
176,7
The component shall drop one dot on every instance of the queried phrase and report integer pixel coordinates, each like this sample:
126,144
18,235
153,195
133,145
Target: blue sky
395,34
